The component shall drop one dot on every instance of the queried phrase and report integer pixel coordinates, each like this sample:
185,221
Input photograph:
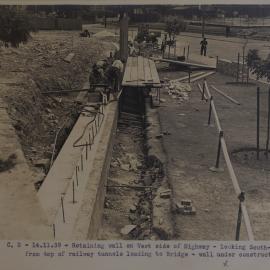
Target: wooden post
210,110
219,148
239,220
238,66
124,38
258,123
241,198
203,23
268,125
203,91
243,65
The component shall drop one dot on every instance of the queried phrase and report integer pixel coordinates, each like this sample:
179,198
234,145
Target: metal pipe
86,150
96,125
93,134
53,231
63,211
82,162
76,173
258,123
73,192
89,137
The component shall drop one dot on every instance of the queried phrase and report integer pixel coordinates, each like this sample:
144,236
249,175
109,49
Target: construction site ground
191,150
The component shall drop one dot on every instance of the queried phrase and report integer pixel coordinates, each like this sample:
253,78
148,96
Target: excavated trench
133,176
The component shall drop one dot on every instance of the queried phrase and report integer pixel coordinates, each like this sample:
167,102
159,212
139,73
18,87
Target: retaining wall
84,171
91,211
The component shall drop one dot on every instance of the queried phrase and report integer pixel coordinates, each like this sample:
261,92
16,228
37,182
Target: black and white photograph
135,122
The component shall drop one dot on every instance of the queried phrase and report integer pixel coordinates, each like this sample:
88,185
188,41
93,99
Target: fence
242,211
52,23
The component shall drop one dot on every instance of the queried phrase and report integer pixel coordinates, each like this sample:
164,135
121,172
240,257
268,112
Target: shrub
15,26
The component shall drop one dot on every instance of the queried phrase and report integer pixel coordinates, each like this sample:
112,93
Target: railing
242,211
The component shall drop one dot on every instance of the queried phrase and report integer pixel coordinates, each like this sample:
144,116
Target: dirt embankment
40,66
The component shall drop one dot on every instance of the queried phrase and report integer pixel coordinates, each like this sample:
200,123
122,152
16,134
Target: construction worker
110,59
162,48
204,44
96,75
114,75
131,49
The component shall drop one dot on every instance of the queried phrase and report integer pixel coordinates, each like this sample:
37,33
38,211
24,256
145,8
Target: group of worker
203,44
107,72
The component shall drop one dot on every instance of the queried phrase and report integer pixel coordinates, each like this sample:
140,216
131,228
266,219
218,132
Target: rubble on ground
185,207
126,161
178,90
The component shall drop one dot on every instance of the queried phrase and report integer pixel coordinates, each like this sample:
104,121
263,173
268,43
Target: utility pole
203,20
203,25
123,37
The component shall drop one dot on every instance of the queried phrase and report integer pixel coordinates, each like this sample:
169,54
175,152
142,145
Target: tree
258,66
15,26
173,28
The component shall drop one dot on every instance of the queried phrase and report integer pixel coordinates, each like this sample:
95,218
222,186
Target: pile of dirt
40,66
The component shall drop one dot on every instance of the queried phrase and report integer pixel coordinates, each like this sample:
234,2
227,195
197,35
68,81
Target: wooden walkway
140,72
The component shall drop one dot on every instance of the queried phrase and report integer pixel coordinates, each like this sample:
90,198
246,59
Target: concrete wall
90,214
82,216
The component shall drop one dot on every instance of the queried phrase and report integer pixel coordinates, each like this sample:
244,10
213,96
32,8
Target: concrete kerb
162,208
